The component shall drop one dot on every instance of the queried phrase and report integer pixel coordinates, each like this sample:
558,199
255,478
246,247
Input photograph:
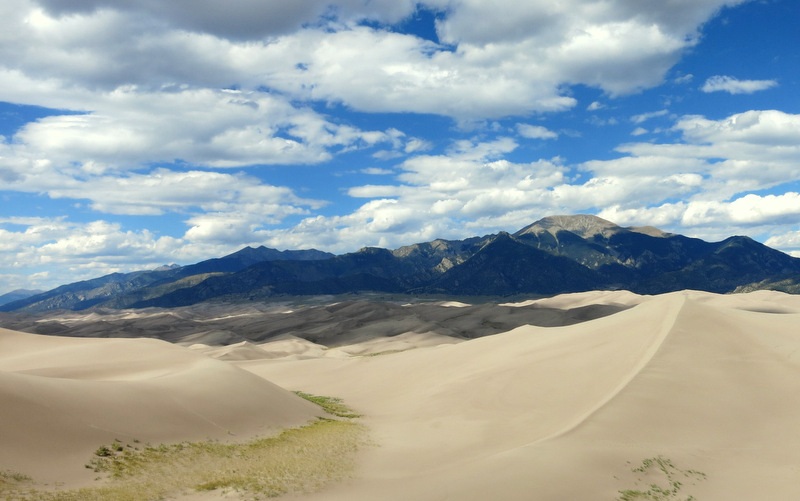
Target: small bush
103,451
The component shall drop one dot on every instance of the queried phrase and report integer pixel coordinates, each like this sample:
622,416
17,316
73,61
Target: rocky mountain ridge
556,254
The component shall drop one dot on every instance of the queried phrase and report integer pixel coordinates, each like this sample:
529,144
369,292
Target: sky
139,133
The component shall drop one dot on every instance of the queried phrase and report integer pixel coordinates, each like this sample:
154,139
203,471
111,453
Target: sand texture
558,412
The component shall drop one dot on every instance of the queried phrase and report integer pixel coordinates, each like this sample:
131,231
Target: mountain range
557,254
18,294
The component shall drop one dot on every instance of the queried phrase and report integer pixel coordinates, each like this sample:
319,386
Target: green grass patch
665,481
331,405
298,460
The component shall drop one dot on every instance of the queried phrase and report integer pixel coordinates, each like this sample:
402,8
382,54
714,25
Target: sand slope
63,397
535,413
708,381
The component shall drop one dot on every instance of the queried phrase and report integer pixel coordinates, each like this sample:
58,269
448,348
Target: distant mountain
507,265
788,284
16,295
121,290
554,255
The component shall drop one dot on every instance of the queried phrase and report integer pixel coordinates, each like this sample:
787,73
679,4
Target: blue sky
140,133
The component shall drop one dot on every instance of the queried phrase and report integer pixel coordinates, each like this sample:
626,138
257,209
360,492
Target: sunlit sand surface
707,382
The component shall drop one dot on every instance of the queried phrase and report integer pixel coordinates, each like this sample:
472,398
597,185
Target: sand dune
535,413
63,397
331,324
238,351
558,413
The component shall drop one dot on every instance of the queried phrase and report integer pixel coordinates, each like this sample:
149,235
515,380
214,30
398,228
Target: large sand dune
535,413
710,382
63,397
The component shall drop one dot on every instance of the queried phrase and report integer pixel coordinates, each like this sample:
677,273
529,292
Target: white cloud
415,144
375,171
638,131
53,251
401,145
375,191
441,196
643,117
732,85
748,151
535,132
643,165
661,216
715,220
715,168
755,128
788,242
245,19
596,105
129,129
152,192
317,51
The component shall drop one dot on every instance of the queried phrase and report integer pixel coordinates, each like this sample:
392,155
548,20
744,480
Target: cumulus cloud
482,193
319,50
471,185
535,132
152,192
55,251
375,171
244,19
416,144
750,151
216,128
731,85
719,165
789,242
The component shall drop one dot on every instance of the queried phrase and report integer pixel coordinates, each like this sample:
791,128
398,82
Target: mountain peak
166,267
583,225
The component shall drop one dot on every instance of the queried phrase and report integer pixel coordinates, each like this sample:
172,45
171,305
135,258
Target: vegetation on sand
330,405
298,460
670,481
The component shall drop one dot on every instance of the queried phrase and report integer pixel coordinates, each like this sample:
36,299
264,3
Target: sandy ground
535,413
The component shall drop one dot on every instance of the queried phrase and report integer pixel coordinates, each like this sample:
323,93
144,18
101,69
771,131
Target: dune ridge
671,312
